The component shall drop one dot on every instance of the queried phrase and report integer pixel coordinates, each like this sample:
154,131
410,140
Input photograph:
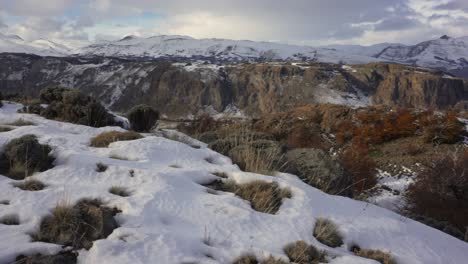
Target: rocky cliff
180,89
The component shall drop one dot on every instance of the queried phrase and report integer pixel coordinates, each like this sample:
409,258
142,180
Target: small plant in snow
326,232
12,219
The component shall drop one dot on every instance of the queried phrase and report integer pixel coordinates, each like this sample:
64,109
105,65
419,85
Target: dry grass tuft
220,174
326,232
377,255
263,196
118,157
30,185
21,122
302,253
77,226
5,202
119,191
103,140
273,260
12,219
101,167
5,129
246,259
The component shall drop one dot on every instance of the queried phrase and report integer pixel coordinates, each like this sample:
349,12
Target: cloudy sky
308,22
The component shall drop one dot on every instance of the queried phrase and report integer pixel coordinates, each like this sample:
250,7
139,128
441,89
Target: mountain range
446,53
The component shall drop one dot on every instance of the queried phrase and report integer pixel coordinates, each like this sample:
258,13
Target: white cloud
299,21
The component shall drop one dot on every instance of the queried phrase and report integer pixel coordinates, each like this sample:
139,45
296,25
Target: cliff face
406,86
179,89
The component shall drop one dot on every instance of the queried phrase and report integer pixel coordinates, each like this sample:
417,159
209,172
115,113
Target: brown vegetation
441,190
263,196
302,253
106,138
326,232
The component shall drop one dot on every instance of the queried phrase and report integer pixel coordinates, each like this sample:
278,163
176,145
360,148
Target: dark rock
316,168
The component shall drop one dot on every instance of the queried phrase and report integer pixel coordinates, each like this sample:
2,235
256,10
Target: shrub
72,106
119,191
52,94
273,260
263,196
142,118
105,139
441,190
25,156
446,129
377,255
30,185
326,232
202,124
11,219
302,136
302,253
355,159
79,225
101,167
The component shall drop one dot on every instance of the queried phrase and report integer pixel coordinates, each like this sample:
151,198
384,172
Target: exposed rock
316,168
254,88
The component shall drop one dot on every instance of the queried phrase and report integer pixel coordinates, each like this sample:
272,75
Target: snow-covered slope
15,44
171,218
445,53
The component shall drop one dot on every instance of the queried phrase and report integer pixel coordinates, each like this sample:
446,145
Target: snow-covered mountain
42,47
445,53
449,54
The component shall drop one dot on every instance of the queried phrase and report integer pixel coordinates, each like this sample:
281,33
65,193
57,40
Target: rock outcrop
253,88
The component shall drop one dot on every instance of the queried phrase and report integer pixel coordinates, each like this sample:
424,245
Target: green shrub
72,106
326,232
142,118
24,156
105,139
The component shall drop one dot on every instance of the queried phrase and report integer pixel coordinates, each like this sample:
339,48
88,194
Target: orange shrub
355,159
442,129
306,137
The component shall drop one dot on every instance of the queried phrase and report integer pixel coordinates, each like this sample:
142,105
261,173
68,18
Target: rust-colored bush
303,136
355,159
441,191
203,123
442,129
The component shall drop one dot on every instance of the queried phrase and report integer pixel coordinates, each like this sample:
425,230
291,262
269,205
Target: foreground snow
170,218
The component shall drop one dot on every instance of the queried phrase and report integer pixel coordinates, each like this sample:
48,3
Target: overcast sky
308,22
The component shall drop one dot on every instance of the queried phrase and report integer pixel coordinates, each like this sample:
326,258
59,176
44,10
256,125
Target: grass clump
79,225
326,232
246,259
12,219
5,129
21,122
263,196
30,185
105,139
4,202
302,253
24,156
377,255
118,157
101,167
119,191
143,118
